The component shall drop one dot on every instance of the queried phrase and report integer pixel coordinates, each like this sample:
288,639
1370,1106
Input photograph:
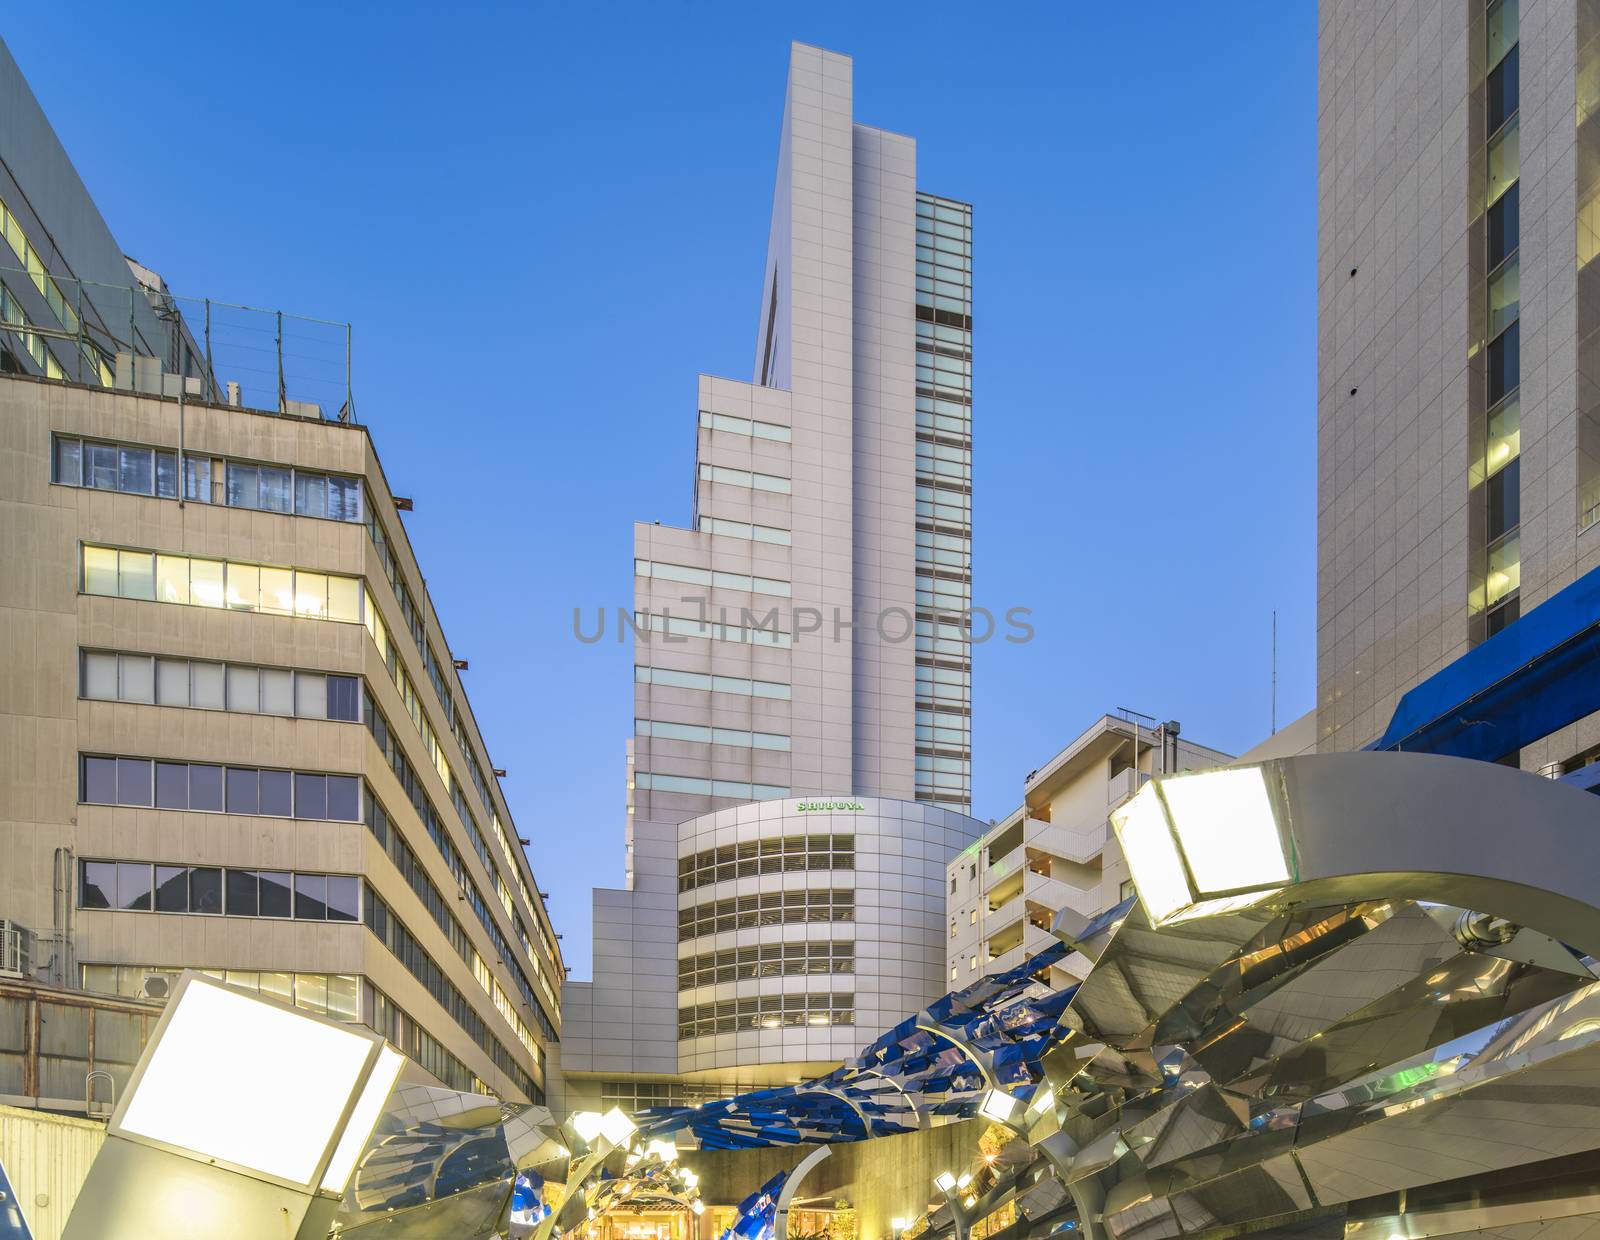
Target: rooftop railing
142,337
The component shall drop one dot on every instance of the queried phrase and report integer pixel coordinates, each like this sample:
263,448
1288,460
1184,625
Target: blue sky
544,220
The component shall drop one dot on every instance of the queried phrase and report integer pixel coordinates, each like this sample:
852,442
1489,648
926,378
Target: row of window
711,684
779,854
13,317
710,577
123,573
635,1096
744,478
765,960
31,261
766,1012
744,529
141,470
695,786
744,426
1502,575
767,908
406,861
403,945
738,737
712,630
403,1031
944,555
433,823
327,994
216,789
162,681
145,887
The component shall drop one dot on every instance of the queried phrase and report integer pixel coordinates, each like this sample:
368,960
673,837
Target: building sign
813,807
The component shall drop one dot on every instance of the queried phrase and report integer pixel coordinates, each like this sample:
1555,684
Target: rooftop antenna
1274,671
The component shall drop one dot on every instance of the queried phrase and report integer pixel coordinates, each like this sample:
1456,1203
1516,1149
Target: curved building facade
808,926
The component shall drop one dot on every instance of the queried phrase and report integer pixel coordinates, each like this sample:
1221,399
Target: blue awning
1540,673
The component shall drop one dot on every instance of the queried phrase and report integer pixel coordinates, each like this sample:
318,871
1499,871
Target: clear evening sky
545,219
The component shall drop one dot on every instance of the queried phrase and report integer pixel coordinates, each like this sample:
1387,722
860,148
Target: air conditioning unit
16,950
157,986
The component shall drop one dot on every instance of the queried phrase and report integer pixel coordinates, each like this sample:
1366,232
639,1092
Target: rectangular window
68,462
1505,506
100,466
1505,295
1504,363
1504,165
172,785
241,893
172,889
276,893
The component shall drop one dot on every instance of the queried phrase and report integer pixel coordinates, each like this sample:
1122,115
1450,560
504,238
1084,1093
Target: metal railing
142,337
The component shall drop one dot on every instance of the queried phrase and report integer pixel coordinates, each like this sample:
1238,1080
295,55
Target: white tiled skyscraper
800,771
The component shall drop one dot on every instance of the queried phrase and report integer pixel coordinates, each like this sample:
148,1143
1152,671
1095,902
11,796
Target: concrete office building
236,737
1056,850
800,769
1458,396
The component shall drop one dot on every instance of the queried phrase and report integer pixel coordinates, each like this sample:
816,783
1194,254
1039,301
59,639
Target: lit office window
153,576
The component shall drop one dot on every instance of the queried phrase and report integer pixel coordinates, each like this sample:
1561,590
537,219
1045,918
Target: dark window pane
243,791
343,898
1505,499
1505,363
133,886
343,699
344,499
344,798
167,475
276,801
241,893
172,889
1504,615
310,897
100,466
310,795
275,894
136,471
69,461
205,889
205,787
99,887
1503,226
100,781
133,781
1503,90
172,785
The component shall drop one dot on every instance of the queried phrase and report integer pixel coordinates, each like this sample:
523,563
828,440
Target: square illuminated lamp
1203,843
257,1087
998,1106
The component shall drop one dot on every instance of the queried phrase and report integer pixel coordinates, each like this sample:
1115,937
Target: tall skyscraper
236,736
1458,386
800,769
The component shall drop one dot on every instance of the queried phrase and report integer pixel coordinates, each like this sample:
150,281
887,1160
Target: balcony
1123,785
1080,842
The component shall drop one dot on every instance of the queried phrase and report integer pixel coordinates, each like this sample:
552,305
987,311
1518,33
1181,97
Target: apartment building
799,773
237,737
1056,850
